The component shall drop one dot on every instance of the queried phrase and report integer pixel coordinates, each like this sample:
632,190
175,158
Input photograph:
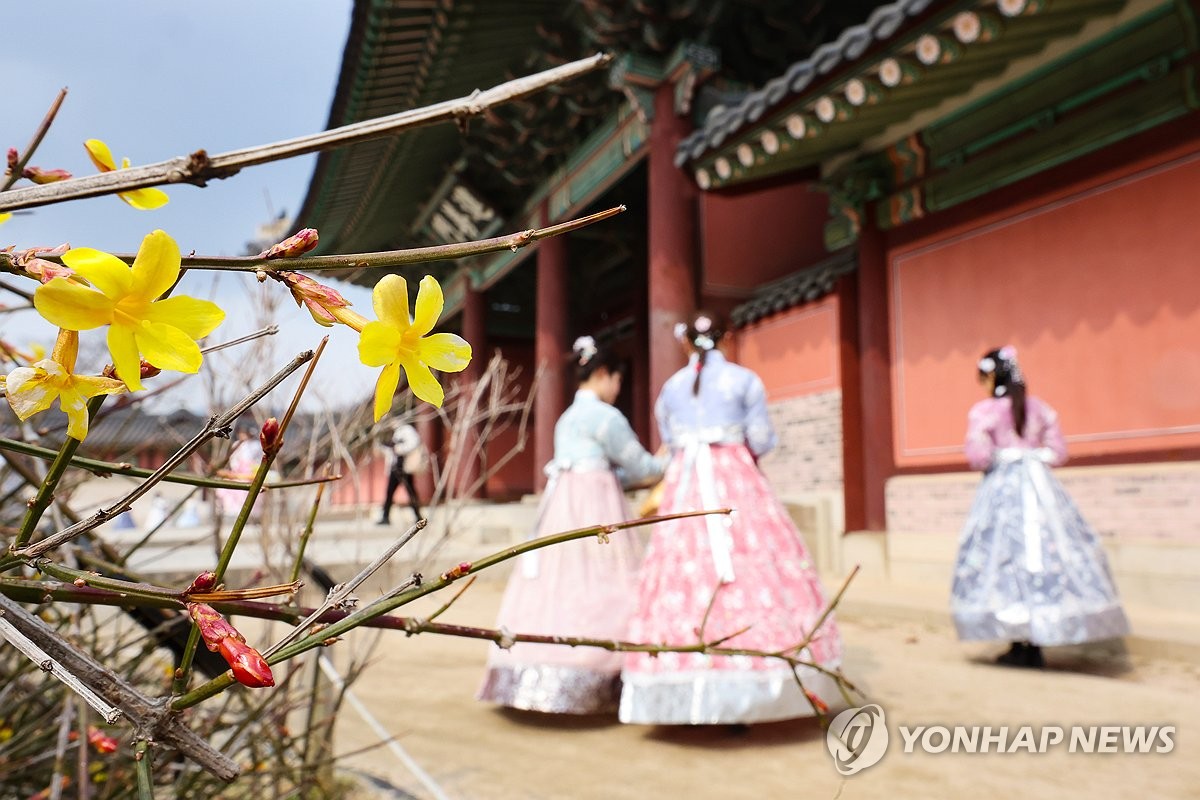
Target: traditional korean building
876,193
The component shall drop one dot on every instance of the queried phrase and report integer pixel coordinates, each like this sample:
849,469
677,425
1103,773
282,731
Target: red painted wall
515,478
1095,285
796,351
752,238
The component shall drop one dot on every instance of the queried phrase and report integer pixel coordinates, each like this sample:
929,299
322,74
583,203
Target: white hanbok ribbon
1038,502
698,463
553,471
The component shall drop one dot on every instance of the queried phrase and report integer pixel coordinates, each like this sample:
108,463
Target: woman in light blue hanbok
584,587
1030,570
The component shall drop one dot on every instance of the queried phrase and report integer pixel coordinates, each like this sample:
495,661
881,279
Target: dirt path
422,691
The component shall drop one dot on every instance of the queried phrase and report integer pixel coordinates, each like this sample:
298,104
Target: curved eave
944,57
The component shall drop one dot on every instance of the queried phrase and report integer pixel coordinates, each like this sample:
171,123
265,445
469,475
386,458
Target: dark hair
704,331
589,357
1001,363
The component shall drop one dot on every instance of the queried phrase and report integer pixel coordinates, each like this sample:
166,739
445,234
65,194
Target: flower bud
13,158
457,572
817,702
297,244
101,741
214,628
204,582
268,436
147,370
318,298
248,666
42,176
45,271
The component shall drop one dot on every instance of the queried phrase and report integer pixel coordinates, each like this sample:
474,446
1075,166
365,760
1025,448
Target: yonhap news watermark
859,738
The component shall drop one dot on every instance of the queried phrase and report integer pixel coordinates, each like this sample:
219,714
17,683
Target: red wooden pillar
429,429
671,205
875,379
852,417
474,330
641,393
550,348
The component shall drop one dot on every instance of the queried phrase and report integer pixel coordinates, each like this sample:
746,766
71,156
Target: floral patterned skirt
772,592
1029,567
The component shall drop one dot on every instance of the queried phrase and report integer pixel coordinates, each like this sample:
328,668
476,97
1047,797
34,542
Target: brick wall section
1136,502
808,459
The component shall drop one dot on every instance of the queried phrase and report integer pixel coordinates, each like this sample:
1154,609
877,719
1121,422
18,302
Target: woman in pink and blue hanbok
749,570
1030,570
583,587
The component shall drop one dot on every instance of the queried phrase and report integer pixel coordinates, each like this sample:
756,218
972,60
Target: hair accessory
585,348
704,342
681,331
702,324
987,365
1000,390
1008,353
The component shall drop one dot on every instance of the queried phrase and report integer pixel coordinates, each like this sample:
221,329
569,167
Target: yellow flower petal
100,155
124,350
390,299
29,391
197,318
71,306
74,405
385,389
422,382
106,272
429,306
156,267
167,347
378,344
92,385
5,218
447,352
145,199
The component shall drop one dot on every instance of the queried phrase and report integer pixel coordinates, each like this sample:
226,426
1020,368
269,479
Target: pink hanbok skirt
579,588
772,587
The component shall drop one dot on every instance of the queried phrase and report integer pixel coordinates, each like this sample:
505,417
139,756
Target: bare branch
200,167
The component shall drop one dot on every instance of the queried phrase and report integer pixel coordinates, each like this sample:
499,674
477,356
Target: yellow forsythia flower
162,331
34,389
142,199
398,341
5,217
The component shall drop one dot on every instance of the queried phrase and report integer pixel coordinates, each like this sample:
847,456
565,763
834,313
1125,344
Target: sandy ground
422,691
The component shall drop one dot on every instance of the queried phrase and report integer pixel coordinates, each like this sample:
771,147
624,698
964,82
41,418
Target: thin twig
270,330
342,594
218,425
200,167
38,135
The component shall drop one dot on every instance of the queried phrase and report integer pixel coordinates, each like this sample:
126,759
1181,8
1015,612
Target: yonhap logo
857,738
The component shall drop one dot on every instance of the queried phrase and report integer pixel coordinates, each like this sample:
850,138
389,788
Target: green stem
45,495
308,529
361,617
79,577
106,468
145,769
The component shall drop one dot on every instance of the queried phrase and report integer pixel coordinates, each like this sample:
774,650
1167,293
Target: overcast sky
157,80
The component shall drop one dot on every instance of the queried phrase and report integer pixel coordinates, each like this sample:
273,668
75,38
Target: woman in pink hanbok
583,587
748,570
1030,570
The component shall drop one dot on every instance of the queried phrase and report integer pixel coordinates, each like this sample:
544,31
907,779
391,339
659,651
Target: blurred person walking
1030,570
583,587
721,574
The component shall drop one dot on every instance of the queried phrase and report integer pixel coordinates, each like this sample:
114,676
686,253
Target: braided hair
703,332
1001,364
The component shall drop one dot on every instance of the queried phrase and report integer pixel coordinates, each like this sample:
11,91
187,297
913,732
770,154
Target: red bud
214,628
42,176
101,741
13,158
297,244
817,702
268,435
204,582
248,665
457,572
